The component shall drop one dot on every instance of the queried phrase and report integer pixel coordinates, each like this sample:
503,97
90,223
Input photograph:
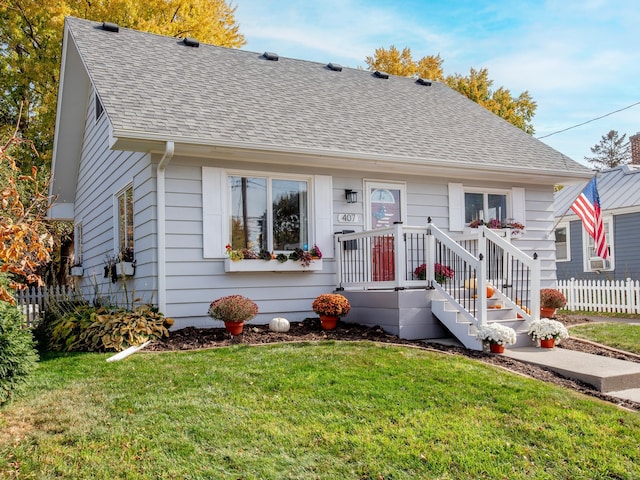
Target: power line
589,121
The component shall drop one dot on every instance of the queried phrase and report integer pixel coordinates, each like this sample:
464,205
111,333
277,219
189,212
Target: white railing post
399,257
338,255
535,288
481,280
431,259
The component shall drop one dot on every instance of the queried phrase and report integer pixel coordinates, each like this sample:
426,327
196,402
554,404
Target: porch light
351,196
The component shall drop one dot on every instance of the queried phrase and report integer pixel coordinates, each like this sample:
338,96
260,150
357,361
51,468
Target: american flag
587,207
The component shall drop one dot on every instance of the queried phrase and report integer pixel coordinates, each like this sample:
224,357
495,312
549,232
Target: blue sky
579,59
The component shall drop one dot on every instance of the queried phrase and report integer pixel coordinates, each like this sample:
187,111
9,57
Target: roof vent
190,42
271,56
424,81
110,27
335,67
380,74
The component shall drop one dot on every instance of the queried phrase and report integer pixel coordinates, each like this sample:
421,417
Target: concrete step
604,373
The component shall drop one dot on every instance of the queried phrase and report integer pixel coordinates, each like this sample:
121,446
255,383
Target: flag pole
568,208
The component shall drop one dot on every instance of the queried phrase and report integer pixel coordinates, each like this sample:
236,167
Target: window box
270,266
76,271
127,269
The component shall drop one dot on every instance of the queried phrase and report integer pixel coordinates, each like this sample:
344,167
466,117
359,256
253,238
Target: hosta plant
497,334
546,329
92,329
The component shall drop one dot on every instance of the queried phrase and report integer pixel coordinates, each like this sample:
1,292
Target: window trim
116,216
77,243
588,254
567,227
270,176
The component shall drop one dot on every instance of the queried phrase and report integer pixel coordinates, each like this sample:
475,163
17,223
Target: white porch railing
390,258
602,295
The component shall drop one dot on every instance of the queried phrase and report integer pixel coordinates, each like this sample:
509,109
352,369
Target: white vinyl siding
100,177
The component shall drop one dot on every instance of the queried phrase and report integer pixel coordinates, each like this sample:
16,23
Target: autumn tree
476,86
518,111
30,48
25,243
394,62
611,151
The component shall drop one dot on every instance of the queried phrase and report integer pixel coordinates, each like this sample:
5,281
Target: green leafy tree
611,151
477,86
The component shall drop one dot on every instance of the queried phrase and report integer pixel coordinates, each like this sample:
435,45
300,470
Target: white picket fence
33,301
602,295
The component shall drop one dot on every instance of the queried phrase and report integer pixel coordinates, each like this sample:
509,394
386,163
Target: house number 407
347,218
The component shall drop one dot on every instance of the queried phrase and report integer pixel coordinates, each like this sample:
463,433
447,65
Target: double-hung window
592,262
124,207
469,204
563,243
485,206
268,213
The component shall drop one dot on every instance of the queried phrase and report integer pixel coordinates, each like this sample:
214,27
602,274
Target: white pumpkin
279,325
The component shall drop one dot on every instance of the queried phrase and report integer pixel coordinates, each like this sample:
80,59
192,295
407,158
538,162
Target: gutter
161,230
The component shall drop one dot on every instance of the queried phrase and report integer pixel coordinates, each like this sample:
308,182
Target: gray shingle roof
155,85
617,187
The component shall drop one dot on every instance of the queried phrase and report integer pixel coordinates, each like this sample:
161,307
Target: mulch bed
310,331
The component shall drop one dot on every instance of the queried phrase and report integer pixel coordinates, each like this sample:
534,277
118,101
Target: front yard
309,410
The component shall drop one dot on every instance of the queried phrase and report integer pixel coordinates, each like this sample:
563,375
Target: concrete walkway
618,378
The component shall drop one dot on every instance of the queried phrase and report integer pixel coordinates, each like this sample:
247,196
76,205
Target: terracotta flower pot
328,322
550,343
547,312
234,328
496,348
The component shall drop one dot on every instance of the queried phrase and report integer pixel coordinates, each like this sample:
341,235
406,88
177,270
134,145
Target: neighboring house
170,151
619,190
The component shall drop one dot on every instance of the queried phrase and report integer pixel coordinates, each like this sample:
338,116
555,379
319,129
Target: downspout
161,231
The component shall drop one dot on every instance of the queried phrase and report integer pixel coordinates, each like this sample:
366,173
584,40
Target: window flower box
76,271
258,265
126,269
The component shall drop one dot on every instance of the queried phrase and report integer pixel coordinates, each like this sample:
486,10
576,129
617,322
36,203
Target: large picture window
268,213
124,202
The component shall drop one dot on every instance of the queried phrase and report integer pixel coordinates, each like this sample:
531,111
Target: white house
173,149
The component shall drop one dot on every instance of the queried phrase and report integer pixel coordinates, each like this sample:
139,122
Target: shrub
233,308
332,304
17,354
552,298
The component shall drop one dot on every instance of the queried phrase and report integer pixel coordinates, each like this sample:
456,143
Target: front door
385,206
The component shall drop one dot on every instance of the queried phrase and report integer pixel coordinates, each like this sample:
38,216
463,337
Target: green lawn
617,335
308,411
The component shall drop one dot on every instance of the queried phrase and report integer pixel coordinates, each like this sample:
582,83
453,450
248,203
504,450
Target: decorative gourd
279,325
490,290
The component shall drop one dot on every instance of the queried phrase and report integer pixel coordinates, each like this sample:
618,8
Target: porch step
461,328
464,329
